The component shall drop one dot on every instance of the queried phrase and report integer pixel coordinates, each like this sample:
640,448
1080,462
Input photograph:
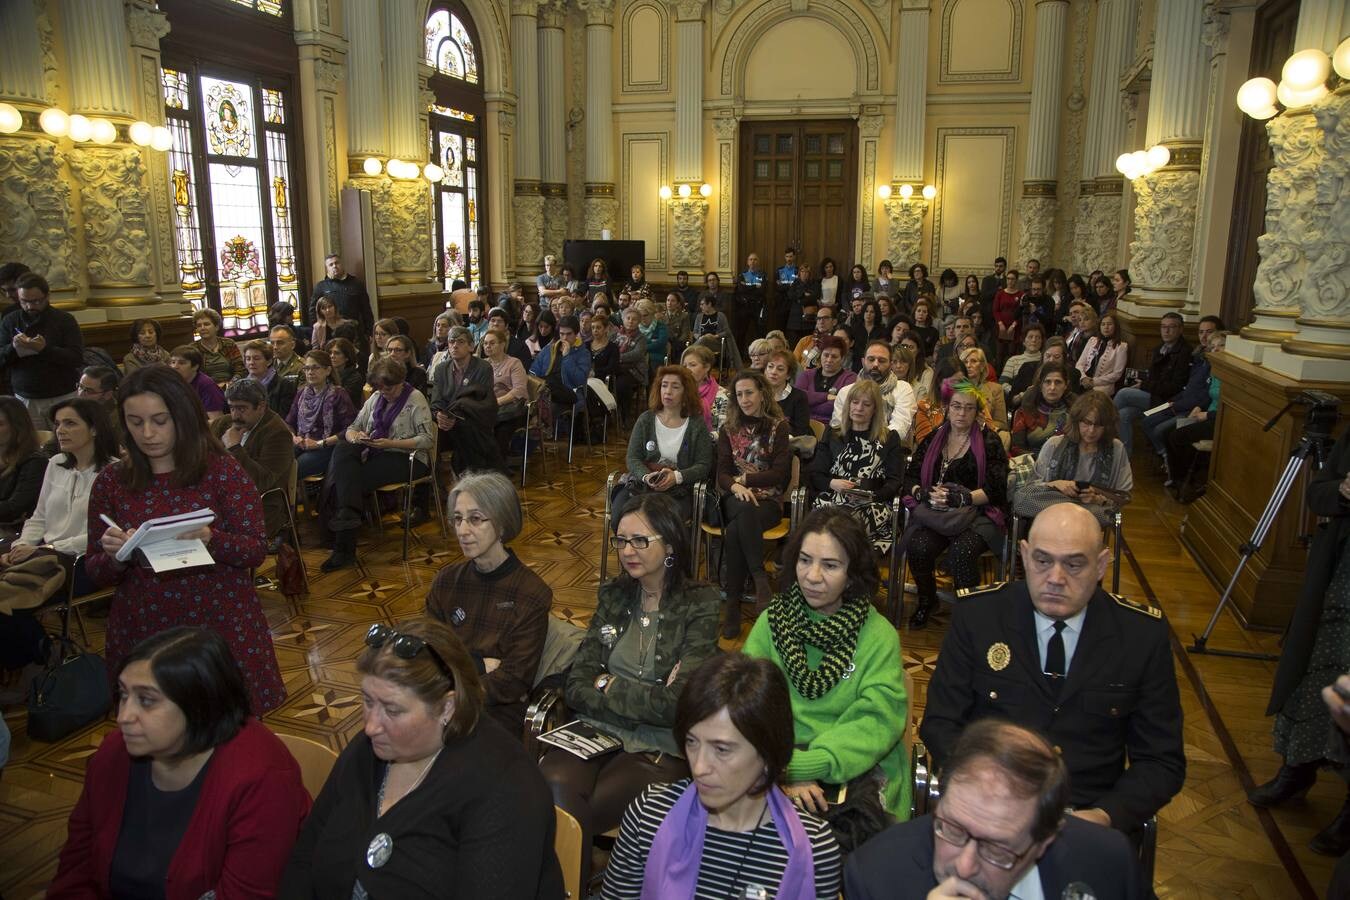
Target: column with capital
527,206
689,215
600,207
402,208
1166,201
552,126
1036,210
904,232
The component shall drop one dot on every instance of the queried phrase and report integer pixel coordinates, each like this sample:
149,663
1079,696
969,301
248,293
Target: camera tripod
1315,445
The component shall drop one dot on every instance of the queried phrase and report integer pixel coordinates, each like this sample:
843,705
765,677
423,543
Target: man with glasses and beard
897,394
41,349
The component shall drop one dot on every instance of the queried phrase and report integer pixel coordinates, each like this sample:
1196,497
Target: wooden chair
406,487
316,760
794,496
569,844
607,528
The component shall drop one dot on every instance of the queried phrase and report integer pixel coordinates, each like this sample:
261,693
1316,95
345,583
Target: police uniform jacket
1116,717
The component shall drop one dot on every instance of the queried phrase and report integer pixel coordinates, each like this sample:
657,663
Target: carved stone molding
410,228
328,75
689,220
506,122
904,236
555,224
524,7
600,213
1327,295
1036,228
527,216
1215,29
689,10
552,14
330,166
724,126
36,225
1096,238
598,12
51,67
1164,230
1291,188
147,26
116,227
869,126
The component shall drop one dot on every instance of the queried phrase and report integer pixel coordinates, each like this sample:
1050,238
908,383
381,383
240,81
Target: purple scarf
386,412
673,861
934,453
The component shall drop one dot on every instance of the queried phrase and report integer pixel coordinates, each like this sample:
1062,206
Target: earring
445,721
670,562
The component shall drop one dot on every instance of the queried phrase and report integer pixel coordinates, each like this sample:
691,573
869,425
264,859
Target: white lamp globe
665,192
371,166
55,122
1306,70
685,191
11,120
1340,60
141,133
80,129
1268,113
102,131
1123,164
1158,156
929,192
394,167
705,190
161,139
884,191
1256,95
906,191
433,172
1292,98
1139,162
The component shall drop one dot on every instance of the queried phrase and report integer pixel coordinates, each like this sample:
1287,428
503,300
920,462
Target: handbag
861,814
290,571
1021,472
946,522
70,694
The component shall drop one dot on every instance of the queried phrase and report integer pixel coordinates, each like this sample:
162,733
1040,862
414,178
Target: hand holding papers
162,541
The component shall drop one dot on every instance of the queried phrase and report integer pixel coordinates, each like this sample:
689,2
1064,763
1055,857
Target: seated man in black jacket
999,831
41,350
1166,377
464,406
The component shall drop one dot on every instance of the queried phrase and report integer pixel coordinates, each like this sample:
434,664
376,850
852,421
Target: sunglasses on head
406,646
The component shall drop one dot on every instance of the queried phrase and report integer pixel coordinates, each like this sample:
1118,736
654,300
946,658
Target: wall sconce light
705,190
79,129
102,131
665,192
884,191
1143,162
372,166
906,191
141,133
685,191
929,192
433,172
11,120
1302,82
55,122
161,139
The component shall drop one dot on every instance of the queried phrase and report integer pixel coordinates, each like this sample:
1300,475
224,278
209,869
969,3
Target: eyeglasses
406,646
1091,424
474,521
994,854
638,541
310,368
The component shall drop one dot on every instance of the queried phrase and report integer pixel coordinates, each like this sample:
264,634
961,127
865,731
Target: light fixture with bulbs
372,166
101,131
929,192
665,192
884,191
141,133
161,139
705,190
11,120
906,191
1303,82
433,172
1143,162
684,191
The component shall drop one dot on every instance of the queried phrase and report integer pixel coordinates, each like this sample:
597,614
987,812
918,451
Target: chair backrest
909,707
534,387
44,437
315,759
568,845
818,429
291,478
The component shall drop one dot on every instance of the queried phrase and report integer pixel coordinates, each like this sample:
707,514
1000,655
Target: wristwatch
603,681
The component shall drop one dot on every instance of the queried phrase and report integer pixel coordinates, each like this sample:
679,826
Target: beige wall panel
974,182
645,50
980,41
641,216
801,59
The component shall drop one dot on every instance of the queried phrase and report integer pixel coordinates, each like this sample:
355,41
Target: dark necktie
1054,655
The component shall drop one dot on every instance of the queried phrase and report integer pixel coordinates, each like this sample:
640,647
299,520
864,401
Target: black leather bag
862,813
72,693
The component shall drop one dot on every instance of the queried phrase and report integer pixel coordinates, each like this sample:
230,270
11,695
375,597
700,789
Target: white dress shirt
1028,886
1073,629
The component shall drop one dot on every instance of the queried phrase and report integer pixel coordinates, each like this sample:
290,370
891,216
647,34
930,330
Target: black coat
20,486
1168,372
52,372
1329,546
898,863
1118,704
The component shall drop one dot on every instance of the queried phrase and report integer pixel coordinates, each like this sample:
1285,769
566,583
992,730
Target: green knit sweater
859,722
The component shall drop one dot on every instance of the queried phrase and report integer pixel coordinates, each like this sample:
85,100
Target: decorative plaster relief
36,225
410,224
555,225
1327,296
869,184
1291,187
527,212
1164,229
598,12
904,237
112,199
331,174
328,75
688,219
146,26
168,279
1074,124
725,182
601,213
1096,233
1036,228
952,45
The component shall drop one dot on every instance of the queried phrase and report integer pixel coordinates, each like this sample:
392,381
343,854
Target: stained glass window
271,7
449,49
231,177
454,147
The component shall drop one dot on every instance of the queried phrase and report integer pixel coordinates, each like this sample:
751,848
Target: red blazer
249,813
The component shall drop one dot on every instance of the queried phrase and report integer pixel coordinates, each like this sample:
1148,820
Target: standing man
549,284
748,299
990,284
347,293
259,441
688,293
1033,268
41,349
784,277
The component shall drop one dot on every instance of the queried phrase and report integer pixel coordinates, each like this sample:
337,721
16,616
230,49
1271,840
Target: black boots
926,605
1334,840
1290,783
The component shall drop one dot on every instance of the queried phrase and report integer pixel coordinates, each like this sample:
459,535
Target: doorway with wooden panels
799,186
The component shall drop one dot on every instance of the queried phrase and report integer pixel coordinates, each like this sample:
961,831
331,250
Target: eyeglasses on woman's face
638,541
473,520
406,646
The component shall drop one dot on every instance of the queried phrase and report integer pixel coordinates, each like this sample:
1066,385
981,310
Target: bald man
1091,670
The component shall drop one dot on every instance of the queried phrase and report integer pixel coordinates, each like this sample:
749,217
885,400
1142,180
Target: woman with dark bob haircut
427,800
191,795
842,661
729,827
174,465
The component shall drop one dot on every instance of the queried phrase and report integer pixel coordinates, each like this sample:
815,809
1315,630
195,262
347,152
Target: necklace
749,845
384,782
948,459
646,644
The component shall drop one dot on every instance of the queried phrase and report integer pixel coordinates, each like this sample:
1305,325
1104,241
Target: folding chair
534,390
288,494
65,602
794,496
407,488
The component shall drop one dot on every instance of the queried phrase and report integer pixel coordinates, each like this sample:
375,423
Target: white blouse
61,518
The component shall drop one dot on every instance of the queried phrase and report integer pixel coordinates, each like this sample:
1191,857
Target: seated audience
976,369
959,467
465,407
1086,465
712,330
654,333
1104,356
327,321
860,464
1026,376
633,357
1124,765
1033,341
652,628
439,342
822,384
401,348
669,449
59,522
285,359
606,364
1197,425
500,319
22,464
713,397
754,467
510,388
802,291
261,442
258,366
493,602
99,383
1044,411
842,661
1164,381
222,360
318,417
190,796
676,319
808,349
145,349
395,421
379,336
759,353
346,374
529,315
186,360
999,830
430,798
924,328
174,465
850,361
477,322
897,395
920,373
729,830
779,369
564,364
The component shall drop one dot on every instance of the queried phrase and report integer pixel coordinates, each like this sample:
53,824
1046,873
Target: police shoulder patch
981,589
1138,606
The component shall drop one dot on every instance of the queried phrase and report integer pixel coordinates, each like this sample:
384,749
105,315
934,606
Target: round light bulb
1123,163
1256,95
102,131
141,133
1293,98
1158,156
906,191
685,191
1306,70
433,172
1340,60
372,166
1268,113
55,122
1139,162
394,167
81,129
929,192
705,190
161,139
665,192
884,191
11,120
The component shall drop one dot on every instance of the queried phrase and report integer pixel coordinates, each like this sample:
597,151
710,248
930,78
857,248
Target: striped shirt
732,860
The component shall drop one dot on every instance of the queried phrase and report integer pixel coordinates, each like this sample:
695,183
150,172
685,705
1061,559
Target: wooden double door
799,188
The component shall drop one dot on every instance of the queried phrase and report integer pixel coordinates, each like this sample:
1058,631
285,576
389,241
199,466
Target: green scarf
792,629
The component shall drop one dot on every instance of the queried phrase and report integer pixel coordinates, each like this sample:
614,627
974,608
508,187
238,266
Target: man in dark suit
1091,670
999,831
260,441
990,284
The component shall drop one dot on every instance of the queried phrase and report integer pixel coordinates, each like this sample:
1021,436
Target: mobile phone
31,331
835,794
652,477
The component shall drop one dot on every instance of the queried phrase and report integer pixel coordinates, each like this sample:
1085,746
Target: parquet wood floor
1212,842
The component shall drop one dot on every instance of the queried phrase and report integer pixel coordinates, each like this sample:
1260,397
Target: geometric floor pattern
1212,843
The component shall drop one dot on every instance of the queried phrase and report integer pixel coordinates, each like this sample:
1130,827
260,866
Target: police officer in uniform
1090,670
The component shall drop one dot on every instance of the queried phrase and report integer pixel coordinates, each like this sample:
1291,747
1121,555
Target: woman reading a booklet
730,829
174,466
651,629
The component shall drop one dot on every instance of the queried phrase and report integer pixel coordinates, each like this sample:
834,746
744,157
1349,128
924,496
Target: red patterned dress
219,597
